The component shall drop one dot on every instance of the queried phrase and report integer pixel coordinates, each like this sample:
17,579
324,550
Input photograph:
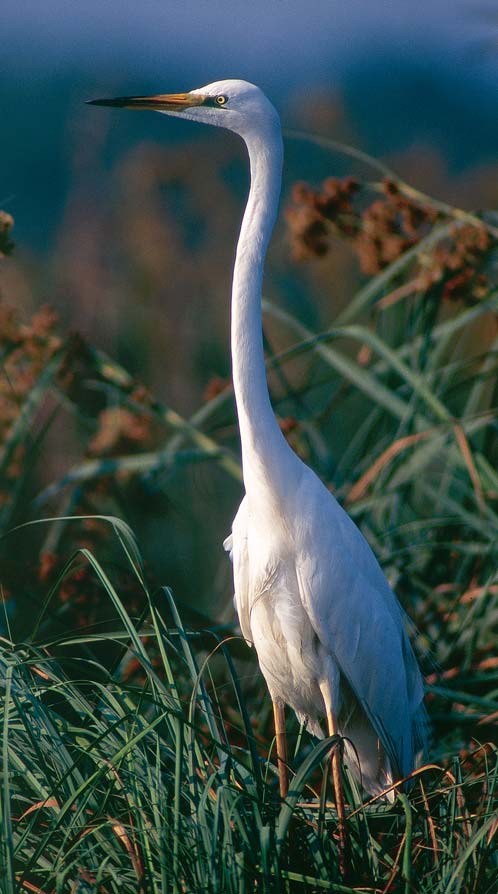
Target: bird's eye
221,100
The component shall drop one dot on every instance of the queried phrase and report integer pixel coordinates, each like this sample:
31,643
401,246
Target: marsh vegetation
136,730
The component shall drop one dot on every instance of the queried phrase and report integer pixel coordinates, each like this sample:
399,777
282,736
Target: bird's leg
335,762
281,742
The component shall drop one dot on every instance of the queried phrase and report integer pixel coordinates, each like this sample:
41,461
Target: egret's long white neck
264,449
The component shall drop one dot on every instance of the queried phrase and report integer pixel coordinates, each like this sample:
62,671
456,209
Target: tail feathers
421,734
367,759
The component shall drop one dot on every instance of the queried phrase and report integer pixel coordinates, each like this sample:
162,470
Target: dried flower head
383,230
6,224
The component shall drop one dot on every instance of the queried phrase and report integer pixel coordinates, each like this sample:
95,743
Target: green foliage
118,783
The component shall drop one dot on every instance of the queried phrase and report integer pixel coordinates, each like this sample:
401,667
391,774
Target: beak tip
105,102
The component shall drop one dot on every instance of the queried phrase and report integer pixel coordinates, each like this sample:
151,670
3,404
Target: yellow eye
221,100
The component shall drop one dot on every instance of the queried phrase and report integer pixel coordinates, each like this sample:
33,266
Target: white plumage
313,600
309,593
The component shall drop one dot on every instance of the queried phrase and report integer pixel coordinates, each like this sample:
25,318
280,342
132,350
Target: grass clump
140,771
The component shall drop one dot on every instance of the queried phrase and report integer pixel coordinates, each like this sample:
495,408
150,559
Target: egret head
235,105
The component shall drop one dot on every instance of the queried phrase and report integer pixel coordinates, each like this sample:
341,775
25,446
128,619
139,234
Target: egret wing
357,618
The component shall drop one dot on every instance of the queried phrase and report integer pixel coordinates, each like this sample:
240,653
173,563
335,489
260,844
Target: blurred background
125,224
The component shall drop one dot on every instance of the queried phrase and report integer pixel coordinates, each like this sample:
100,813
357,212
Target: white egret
309,593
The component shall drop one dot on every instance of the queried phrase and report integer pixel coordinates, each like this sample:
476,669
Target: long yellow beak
162,102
